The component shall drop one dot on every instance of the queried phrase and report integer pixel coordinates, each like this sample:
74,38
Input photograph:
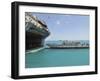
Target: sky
66,26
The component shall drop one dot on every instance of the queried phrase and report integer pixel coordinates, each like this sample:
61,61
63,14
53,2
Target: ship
69,45
36,31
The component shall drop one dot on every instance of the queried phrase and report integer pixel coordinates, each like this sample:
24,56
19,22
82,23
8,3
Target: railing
32,28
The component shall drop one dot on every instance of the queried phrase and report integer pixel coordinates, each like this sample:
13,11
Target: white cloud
58,22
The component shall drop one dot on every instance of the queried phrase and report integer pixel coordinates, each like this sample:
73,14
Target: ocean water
57,58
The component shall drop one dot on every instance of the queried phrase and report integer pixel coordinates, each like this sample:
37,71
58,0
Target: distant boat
68,45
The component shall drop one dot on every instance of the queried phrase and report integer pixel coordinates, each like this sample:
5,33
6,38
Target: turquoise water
57,58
